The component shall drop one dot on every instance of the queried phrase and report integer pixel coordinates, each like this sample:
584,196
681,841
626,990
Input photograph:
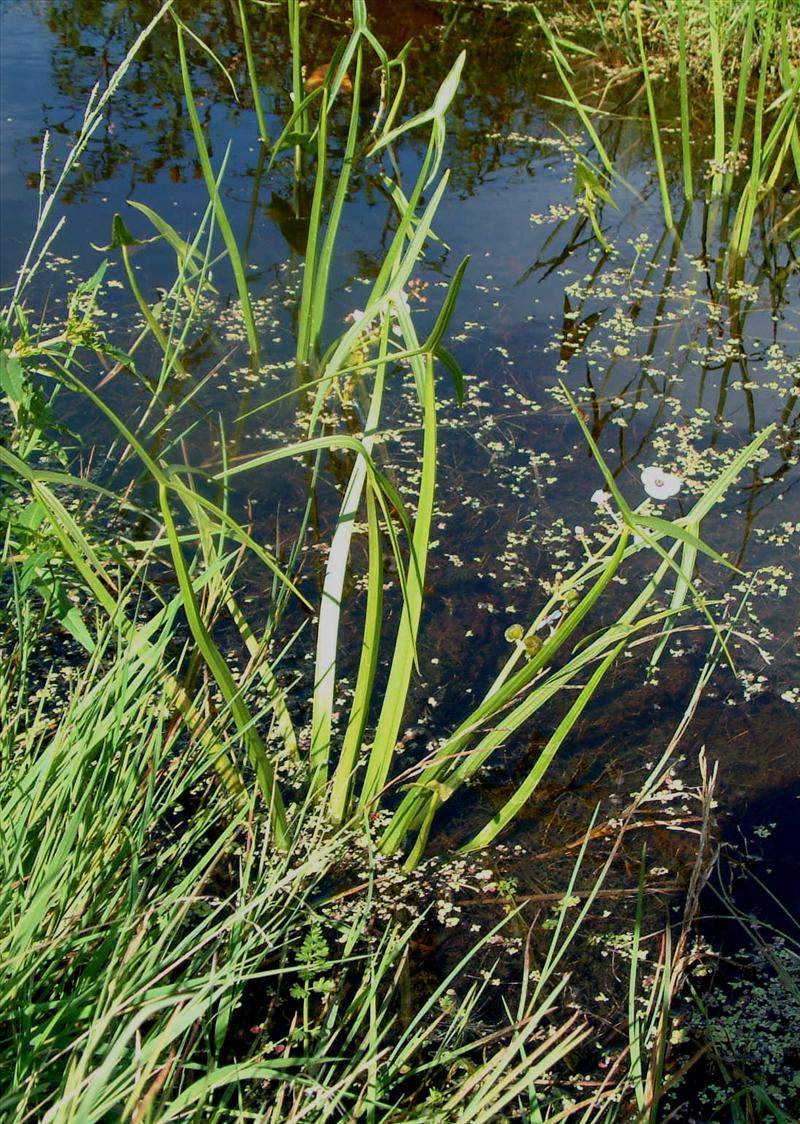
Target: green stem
219,210
252,76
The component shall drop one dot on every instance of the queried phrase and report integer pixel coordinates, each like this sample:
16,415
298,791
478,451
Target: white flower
601,498
359,318
659,484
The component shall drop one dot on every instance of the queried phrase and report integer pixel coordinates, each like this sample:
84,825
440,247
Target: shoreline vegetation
216,895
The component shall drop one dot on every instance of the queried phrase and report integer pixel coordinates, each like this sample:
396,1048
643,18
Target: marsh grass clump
684,33
729,22
161,959
746,55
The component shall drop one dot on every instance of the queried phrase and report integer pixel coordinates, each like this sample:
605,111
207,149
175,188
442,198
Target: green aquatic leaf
454,367
677,531
186,253
121,236
447,309
12,377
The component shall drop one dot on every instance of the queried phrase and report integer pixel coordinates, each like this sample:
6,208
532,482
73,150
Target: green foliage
747,53
141,909
169,843
349,778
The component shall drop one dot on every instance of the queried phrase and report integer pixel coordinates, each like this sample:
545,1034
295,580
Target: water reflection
146,136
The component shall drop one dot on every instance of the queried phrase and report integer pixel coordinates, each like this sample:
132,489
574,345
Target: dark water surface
671,365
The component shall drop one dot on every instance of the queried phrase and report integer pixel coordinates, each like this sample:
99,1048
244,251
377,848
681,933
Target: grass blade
220,213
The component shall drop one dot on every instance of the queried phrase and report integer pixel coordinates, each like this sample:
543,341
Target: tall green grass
169,845
141,908
351,775
743,54
144,914
147,922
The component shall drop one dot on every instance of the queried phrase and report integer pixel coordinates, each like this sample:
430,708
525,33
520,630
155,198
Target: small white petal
600,497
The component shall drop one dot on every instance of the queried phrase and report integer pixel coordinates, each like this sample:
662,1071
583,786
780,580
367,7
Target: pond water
670,364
